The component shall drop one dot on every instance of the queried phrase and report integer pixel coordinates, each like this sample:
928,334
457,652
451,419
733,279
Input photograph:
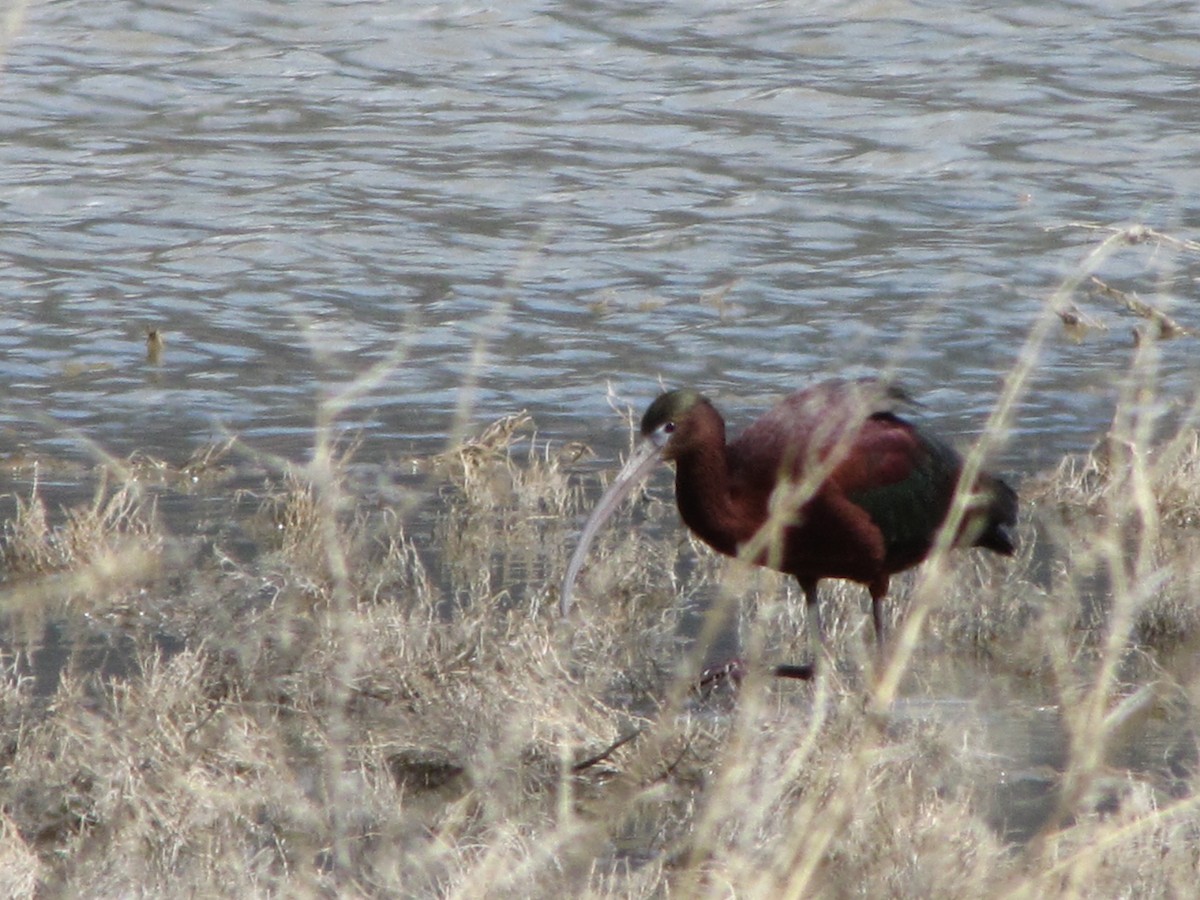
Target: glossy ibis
829,483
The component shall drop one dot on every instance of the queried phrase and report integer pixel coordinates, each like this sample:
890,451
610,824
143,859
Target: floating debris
154,346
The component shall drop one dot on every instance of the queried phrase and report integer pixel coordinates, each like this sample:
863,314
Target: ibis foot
733,671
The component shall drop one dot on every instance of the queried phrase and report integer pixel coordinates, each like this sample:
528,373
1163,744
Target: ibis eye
669,427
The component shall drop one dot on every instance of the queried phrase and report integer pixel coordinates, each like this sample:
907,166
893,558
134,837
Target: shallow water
727,195
529,203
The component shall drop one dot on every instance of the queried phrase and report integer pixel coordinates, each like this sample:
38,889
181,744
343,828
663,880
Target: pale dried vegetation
429,727
385,703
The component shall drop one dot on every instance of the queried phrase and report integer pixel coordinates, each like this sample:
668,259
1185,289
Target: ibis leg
879,591
877,615
812,606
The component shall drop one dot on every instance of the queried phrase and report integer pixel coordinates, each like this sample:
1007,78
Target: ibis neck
702,484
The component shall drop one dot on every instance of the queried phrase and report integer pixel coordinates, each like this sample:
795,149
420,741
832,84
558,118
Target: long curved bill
635,469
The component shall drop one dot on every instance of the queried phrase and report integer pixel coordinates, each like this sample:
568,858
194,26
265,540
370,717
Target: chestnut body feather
880,488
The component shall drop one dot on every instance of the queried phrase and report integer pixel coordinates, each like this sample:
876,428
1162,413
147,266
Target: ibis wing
904,480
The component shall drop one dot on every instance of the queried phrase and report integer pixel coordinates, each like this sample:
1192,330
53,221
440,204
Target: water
728,195
530,202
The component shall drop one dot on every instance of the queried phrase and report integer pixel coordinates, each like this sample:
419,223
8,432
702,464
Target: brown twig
1165,325
585,764
1136,234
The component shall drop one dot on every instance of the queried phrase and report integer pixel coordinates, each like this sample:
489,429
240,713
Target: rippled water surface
538,200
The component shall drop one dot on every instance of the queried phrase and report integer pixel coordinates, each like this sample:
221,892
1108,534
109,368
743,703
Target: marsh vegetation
314,700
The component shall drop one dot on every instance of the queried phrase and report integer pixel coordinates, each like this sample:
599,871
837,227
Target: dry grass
467,750
353,711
